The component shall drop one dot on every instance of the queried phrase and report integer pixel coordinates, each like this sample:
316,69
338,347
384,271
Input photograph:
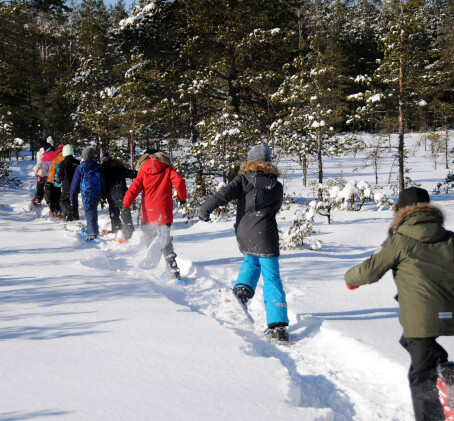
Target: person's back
420,253
155,181
65,175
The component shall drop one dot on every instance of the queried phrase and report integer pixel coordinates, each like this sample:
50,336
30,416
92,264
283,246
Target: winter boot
277,333
173,267
92,237
445,385
36,203
243,294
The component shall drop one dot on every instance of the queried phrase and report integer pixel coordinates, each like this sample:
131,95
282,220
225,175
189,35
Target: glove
352,288
204,218
124,212
182,202
102,202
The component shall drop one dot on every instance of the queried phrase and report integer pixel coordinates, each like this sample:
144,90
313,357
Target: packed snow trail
344,363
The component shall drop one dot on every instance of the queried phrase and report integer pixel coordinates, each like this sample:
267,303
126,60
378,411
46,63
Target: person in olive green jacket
420,251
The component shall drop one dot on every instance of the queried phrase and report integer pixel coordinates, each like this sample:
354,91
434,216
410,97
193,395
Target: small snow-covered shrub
300,229
351,196
446,185
6,180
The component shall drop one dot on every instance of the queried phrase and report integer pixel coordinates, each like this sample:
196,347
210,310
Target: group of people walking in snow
419,250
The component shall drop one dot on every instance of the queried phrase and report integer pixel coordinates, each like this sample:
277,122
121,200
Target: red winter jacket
155,180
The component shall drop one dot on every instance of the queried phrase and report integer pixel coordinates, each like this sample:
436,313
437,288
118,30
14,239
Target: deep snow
85,335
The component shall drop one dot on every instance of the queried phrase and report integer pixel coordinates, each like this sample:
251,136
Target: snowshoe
55,215
243,294
445,385
231,296
277,335
36,204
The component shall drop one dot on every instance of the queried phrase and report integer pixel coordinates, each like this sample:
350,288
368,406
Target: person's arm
373,269
75,184
51,176
180,185
134,190
222,197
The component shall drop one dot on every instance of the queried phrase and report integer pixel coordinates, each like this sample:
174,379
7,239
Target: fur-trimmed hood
159,156
264,166
115,162
423,222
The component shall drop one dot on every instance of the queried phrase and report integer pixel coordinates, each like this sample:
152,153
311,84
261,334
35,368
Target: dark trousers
91,215
39,196
70,212
52,195
118,223
425,355
150,231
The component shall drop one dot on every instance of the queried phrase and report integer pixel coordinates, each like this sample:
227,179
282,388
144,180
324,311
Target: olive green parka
421,254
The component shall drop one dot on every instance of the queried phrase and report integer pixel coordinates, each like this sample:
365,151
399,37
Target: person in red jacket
155,181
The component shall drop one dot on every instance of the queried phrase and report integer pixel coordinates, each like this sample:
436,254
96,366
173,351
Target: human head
105,157
48,147
67,150
412,196
88,153
259,153
60,147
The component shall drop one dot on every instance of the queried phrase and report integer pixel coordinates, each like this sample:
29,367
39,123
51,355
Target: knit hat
259,153
412,196
60,147
68,150
105,157
88,152
48,147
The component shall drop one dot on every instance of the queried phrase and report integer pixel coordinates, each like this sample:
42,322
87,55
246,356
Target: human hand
204,218
123,212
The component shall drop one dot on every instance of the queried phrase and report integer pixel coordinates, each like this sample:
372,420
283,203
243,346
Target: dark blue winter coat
90,181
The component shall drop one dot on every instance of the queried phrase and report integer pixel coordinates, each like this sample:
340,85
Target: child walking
155,181
420,251
89,180
259,195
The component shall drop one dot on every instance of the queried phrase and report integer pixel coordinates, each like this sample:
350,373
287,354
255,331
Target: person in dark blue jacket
90,181
259,195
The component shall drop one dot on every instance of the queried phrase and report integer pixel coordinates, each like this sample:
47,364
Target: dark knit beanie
106,157
259,153
412,196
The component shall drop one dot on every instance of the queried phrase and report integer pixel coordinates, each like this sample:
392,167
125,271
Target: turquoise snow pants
273,292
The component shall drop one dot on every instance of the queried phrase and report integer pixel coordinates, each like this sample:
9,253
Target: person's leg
249,275
150,231
273,292
114,213
40,190
65,206
48,193
56,199
426,354
127,225
169,253
91,215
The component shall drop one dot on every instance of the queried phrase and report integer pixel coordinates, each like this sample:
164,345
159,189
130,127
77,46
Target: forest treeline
211,77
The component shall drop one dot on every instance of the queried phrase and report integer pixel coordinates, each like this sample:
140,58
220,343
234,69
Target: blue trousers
91,215
273,292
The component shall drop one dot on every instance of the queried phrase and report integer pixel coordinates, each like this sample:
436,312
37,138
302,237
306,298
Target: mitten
124,212
352,288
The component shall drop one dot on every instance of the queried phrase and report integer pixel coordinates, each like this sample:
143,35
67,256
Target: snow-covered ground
85,335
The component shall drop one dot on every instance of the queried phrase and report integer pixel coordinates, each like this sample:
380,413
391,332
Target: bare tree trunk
400,149
132,139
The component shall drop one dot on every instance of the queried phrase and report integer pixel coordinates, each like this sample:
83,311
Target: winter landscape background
84,334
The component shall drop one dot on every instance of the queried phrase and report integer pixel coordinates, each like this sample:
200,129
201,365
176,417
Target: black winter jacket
65,173
116,174
259,196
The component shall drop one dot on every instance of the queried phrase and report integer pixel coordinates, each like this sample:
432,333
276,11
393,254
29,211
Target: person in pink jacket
41,170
